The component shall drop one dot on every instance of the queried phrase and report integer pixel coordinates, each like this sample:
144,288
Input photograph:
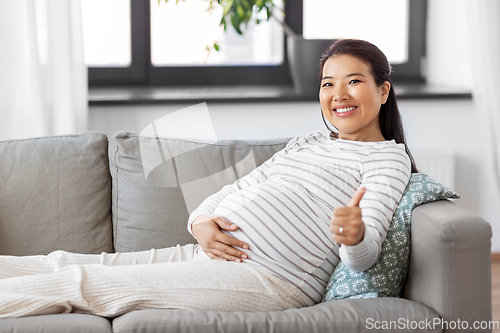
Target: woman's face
350,99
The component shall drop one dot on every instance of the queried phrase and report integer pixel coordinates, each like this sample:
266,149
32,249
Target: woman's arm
206,227
385,175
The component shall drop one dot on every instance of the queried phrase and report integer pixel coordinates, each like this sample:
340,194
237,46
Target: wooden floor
495,290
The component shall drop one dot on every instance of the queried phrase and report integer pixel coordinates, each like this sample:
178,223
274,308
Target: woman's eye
354,81
327,84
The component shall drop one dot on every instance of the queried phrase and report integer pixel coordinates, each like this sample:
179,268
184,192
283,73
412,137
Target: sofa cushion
62,323
55,194
386,278
152,212
349,315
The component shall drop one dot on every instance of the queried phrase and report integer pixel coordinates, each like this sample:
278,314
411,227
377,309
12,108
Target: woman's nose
340,93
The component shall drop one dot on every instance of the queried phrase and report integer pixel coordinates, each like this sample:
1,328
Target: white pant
180,277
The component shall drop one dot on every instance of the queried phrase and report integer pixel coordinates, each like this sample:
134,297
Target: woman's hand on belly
216,244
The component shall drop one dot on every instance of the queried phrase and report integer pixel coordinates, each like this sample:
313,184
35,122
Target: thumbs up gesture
347,225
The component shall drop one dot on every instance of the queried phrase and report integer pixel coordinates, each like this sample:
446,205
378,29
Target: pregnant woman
278,232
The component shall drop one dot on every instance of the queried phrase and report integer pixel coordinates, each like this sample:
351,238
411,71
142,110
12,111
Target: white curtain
43,78
484,43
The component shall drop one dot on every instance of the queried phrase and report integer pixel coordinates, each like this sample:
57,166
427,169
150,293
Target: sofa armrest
450,262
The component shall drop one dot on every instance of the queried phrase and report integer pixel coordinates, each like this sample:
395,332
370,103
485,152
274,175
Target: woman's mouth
345,111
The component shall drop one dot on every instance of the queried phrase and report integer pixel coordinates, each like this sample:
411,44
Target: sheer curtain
43,78
484,25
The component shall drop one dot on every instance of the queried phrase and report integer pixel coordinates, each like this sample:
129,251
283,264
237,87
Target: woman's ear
384,90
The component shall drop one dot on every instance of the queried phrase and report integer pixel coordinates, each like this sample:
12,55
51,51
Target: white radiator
438,164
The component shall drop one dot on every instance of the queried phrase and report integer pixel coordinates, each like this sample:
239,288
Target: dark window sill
220,94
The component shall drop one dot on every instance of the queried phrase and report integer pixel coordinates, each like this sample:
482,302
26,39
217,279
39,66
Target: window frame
142,72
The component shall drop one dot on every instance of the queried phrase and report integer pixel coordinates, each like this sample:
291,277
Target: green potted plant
303,54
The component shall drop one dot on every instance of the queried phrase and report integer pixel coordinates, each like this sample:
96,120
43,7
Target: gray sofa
81,193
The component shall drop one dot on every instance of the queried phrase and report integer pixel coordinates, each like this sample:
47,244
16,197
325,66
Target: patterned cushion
387,276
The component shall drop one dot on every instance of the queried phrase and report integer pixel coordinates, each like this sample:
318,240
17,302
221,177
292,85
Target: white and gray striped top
283,208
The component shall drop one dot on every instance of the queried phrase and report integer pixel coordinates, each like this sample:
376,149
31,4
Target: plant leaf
241,12
227,7
223,22
236,22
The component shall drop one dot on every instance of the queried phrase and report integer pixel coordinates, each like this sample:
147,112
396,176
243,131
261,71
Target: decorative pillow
55,194
387,276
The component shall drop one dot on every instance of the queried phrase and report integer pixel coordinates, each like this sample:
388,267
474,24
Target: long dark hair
390,122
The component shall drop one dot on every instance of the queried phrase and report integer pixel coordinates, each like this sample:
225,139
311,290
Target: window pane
382,22
181,33
106,33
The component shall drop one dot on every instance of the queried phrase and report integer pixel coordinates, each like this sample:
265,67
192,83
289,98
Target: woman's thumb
356,197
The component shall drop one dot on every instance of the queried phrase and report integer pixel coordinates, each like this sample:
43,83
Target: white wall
448,51
446,125
231,121
449,63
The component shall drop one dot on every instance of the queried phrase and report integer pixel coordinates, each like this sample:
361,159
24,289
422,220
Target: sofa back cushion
152,212
55,194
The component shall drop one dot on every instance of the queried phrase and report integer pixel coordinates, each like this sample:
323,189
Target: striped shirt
283,208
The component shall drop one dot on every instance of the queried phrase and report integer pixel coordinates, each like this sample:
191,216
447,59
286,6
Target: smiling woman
288,223
351,100
366,83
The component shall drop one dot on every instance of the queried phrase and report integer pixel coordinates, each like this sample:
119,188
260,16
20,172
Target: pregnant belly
279,224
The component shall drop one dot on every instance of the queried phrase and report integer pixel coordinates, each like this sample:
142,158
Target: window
136,42
261,44
349,22
107,42
397,27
